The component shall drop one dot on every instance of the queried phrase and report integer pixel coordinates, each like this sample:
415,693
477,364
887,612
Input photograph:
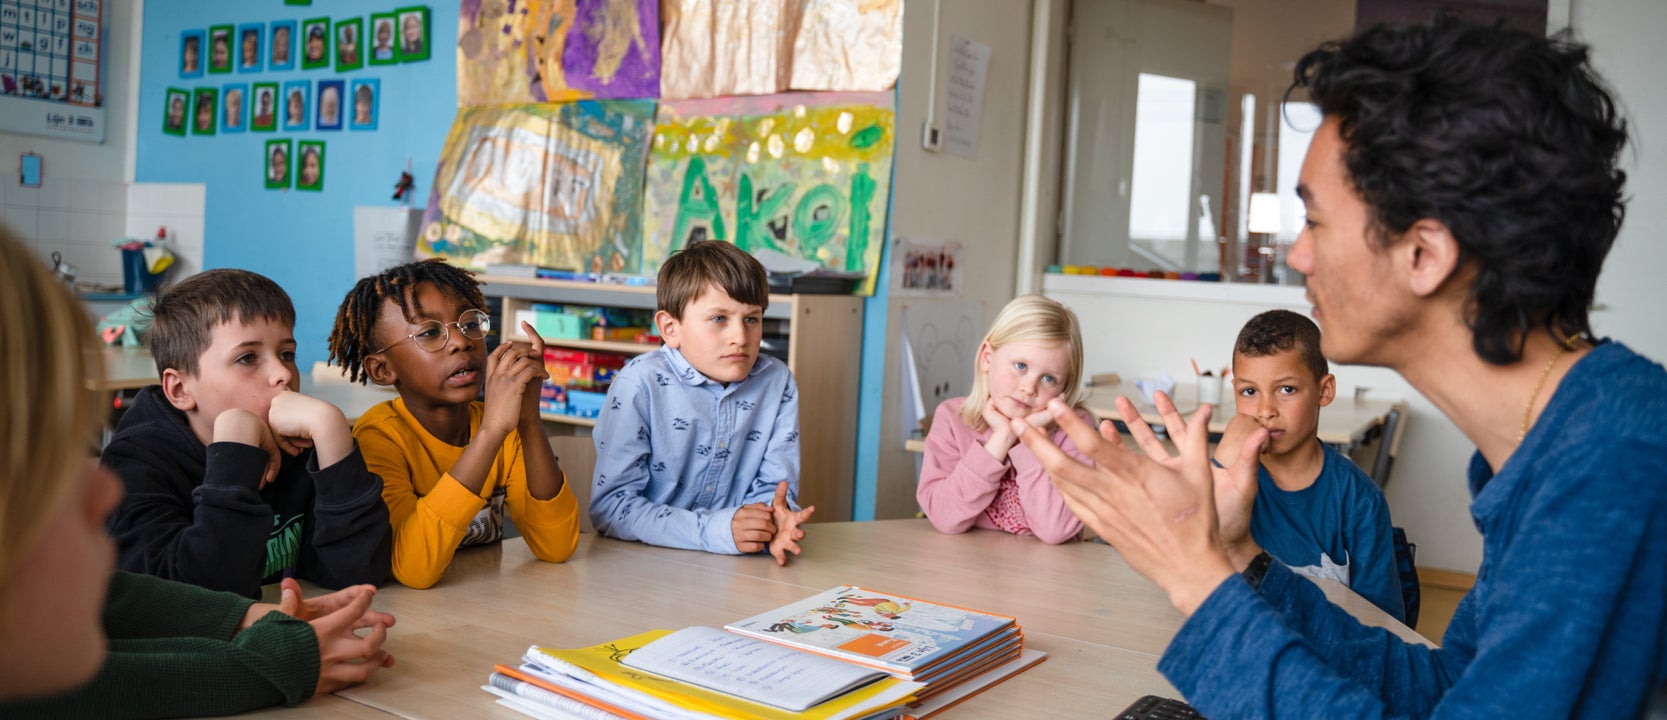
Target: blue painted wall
301,239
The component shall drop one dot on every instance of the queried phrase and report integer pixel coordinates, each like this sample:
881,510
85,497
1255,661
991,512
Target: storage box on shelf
822,335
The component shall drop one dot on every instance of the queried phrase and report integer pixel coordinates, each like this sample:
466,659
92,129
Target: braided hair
354,336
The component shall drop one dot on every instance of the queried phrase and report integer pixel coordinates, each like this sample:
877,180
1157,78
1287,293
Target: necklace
1528,412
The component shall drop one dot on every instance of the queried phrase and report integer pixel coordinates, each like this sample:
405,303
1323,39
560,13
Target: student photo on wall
220,49
202,114
283,45
173,122
330,104
276,164
191,54
382,39
413,33
248,47
309,168
365,93
231,108
350,35
265,108
315,46
295,105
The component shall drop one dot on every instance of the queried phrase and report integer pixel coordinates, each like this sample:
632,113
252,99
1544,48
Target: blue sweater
1568,617
1337,527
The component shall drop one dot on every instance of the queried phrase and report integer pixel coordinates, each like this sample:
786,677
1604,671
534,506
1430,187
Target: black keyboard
1153,707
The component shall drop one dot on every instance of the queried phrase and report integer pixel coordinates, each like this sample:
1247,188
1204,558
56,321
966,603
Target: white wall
1626,39
949,198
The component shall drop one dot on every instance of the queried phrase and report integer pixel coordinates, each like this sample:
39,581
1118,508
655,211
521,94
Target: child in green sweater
77,641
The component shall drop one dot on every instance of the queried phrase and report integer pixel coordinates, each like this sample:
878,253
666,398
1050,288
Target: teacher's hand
1158,511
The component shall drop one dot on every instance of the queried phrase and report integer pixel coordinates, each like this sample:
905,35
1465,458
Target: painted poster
553,185
554,50
712,48
843,45
806,174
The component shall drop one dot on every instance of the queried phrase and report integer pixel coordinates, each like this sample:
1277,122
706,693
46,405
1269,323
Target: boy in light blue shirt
697,445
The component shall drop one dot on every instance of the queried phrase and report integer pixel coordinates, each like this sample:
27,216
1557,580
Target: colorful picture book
847,653
907,637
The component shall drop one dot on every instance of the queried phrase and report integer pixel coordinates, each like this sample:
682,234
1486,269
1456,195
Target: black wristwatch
1257,569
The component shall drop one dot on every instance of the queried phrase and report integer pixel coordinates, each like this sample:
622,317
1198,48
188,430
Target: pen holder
1209,389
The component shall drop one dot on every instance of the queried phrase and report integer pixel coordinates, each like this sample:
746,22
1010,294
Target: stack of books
844,654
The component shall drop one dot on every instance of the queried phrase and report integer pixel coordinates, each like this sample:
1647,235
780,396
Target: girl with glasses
450,462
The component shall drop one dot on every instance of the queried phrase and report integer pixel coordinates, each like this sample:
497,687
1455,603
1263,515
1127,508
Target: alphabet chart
49,50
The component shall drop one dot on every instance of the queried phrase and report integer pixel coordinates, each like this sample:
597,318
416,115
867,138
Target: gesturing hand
1158,511
787,520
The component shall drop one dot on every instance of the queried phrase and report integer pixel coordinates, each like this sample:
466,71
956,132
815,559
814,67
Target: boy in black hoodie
234,480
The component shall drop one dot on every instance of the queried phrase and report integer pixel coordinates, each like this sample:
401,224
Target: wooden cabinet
824,351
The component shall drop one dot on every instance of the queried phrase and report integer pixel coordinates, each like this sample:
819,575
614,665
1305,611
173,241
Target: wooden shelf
824,352
568,419
627,348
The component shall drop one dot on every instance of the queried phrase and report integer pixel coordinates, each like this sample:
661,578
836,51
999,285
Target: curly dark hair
1277,331
1508,138
354,335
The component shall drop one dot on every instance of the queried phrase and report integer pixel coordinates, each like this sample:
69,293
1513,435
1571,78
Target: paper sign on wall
969,62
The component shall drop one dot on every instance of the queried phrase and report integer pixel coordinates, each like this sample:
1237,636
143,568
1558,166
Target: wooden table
1102,625
127,368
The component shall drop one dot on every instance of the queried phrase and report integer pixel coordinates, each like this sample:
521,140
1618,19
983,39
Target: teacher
1462,192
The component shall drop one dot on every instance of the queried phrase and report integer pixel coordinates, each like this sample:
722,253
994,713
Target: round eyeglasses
431,335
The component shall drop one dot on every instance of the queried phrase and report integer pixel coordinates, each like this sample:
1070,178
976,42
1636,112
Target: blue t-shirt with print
1336,528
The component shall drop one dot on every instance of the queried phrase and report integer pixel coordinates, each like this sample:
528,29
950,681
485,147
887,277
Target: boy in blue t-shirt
697,445
1315,511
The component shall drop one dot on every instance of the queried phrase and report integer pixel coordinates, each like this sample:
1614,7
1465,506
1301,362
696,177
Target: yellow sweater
431,511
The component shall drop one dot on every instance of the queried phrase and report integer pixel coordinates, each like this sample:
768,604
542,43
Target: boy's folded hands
775,526
753,526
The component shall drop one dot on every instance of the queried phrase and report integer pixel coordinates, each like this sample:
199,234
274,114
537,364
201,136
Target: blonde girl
975,474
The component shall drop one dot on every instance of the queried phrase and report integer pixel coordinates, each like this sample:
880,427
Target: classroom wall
81,205
303,240
943,197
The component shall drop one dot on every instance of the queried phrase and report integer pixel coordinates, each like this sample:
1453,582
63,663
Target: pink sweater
959,478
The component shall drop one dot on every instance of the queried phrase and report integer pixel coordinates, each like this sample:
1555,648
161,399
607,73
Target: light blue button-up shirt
677,453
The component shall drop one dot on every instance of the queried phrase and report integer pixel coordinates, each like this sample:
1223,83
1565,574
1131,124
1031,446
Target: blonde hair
1030,318
51,413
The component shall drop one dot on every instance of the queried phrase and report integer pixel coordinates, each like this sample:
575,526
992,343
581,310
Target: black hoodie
196,514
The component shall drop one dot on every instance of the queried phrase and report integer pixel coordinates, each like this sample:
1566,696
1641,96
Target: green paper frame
300,159
306,35
357,61
393,41
405,54
197,96
254,107
289,164
185,115
206,59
